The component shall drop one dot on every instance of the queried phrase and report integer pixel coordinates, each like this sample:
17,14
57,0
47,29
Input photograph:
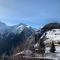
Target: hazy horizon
35,13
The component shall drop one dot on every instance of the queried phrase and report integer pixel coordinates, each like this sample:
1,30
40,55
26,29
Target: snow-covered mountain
13,35
21,27
52,32
21,33
16,28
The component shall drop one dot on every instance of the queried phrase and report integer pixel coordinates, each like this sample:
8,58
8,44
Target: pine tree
52,47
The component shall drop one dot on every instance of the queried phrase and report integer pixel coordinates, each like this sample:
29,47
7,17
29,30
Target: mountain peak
52,26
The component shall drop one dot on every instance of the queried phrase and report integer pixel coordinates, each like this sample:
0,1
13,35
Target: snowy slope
53,34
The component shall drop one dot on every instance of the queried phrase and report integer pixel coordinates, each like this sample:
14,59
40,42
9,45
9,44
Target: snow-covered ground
56,55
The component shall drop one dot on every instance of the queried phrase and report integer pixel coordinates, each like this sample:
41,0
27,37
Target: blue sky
31,12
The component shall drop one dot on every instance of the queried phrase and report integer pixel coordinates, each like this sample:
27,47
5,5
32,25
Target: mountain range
10,36
24,36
